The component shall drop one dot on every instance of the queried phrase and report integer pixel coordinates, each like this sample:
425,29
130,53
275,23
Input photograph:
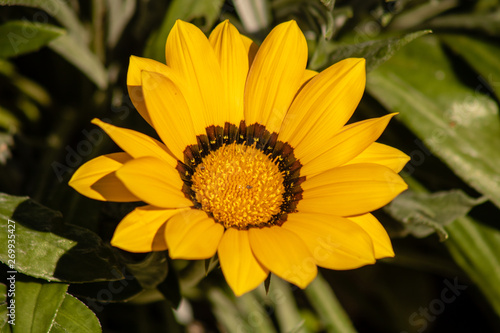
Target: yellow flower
256,165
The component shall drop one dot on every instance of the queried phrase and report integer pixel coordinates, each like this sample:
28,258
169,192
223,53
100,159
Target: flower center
239,185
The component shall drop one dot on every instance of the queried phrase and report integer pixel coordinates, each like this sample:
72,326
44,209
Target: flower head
256,163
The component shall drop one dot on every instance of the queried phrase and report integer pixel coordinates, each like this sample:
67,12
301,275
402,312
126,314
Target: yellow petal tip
96,121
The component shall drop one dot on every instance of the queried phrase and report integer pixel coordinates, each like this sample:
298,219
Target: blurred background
436,62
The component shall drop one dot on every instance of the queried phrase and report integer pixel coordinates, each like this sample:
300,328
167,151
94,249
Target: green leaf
458,123
74,316
320,57
20,37
475,247
72,46
26,86
119,14
170,288
151,271
211,263
267,283
37,305
254,312
108,291
329,4
82,58
255,15
324,301
46,307
56,8
226,312
487,22
287,312
481,55
186,10
4,325
486,5
52,250
376,52
423,214
3,293
420,13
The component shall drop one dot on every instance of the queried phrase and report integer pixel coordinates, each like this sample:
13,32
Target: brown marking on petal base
257,136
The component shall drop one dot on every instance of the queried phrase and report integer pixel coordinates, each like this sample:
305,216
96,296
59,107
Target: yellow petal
381,154
97,180
334,242
343,147
135,143
169,113
381,241
143,229
250,47
324,105
193,235
233,59
350,190
308,76
154,181
275,76
134,81
191,56
283,253
240,267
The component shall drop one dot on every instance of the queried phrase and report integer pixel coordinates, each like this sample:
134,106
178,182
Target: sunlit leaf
51,249
37,305
459,124
4,325
20,37
74,316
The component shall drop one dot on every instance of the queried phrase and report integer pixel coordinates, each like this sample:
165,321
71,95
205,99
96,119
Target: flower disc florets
240,186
